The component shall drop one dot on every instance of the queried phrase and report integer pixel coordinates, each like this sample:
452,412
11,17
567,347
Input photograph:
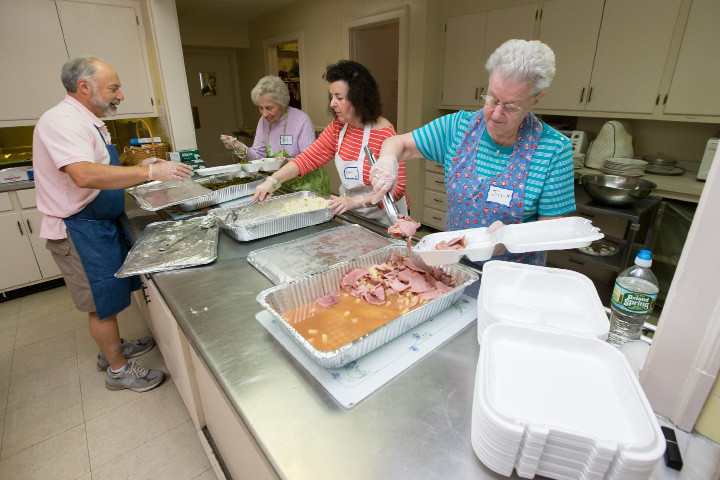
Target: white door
366,43
214,114
463,65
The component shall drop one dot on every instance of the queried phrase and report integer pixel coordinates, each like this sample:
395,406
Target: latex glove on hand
229,142
164,170
265,189
150,161
342,204
384,176
495,226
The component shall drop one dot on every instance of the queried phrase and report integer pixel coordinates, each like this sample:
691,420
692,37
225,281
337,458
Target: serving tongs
391,209
206,223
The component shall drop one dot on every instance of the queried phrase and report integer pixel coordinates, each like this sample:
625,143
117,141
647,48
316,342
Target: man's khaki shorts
68,260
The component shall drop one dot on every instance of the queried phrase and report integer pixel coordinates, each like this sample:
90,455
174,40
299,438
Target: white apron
352,183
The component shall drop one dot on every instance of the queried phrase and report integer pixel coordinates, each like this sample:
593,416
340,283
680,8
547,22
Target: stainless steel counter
12,186
415,427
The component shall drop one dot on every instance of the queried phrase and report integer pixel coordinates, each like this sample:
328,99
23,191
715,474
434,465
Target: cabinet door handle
657,100
436,200
582,94
29,227
589,94
665,99
20,228
476,93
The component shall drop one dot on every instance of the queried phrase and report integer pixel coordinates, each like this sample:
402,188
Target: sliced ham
430,295
457,243
352,276
328,300
397,285
405,227
411,265
418,283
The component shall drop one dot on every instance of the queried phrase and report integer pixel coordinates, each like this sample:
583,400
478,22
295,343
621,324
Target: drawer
592,270
435,181
27,198
434,218
435,200
5,202
434,167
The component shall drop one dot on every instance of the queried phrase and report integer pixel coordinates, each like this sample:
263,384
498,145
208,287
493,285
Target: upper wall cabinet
469,41
626,64
32,54
32,57
694,86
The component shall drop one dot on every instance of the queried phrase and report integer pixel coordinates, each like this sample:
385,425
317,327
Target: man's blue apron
102,246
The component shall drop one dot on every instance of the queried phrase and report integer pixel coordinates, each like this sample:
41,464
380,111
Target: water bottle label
630,301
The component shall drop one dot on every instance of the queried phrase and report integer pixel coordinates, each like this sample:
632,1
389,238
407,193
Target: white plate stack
626,167
560,405
530,294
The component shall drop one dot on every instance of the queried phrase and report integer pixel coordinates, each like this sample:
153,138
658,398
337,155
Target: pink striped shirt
325,147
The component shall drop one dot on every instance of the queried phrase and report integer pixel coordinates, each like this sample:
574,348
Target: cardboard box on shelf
16,174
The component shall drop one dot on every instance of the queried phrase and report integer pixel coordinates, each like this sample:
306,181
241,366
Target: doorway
215,99
379,43
284,58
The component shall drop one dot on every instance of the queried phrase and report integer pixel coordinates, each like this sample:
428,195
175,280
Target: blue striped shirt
549,191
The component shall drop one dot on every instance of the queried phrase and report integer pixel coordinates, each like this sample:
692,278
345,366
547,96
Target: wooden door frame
271,63
401,16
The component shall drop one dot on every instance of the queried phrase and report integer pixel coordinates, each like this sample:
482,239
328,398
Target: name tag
351,173
500,195
286,139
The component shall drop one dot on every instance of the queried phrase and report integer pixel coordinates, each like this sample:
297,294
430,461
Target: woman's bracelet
150,176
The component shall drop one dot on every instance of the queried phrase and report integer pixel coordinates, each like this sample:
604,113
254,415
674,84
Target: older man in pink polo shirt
79,184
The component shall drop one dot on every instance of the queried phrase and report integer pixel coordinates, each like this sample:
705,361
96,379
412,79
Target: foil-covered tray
157,195
198,246
287,296
259,220
225,194
287,261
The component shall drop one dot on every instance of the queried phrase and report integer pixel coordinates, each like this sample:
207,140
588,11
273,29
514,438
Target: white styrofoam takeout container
530,294
560,405
235,167
555,234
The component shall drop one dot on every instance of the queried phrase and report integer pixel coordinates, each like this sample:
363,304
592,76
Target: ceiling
244,9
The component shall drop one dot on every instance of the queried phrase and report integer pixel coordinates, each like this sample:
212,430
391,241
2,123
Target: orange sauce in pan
328,329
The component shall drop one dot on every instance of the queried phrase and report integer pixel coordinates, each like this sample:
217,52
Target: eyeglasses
509,108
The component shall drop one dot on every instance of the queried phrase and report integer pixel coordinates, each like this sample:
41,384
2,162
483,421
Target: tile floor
57,419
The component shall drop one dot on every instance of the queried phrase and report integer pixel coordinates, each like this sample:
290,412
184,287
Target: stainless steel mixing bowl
616,190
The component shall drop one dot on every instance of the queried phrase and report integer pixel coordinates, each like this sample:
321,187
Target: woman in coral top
355,104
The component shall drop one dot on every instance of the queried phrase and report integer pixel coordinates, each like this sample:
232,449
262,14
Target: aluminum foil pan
298,258
223,194
282,298
198,246
250,222
157,195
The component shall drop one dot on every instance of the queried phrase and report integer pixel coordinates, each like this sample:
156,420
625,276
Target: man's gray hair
77,68
531,62
272,87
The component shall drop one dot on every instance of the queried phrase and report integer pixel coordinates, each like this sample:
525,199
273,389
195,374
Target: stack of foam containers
551,397
553,297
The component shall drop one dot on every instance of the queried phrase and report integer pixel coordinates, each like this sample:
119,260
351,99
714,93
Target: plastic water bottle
633,300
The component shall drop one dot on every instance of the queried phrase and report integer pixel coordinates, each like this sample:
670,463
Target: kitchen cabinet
469,41
435,196
619,72
24,257
693,89
174,347
39,36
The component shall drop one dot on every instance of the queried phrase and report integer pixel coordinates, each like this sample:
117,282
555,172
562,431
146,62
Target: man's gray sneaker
130,349
133,377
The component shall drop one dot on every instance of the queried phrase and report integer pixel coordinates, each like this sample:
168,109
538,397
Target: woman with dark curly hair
355,104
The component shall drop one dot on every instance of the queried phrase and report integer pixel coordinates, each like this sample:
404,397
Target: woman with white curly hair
502,164
282,131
